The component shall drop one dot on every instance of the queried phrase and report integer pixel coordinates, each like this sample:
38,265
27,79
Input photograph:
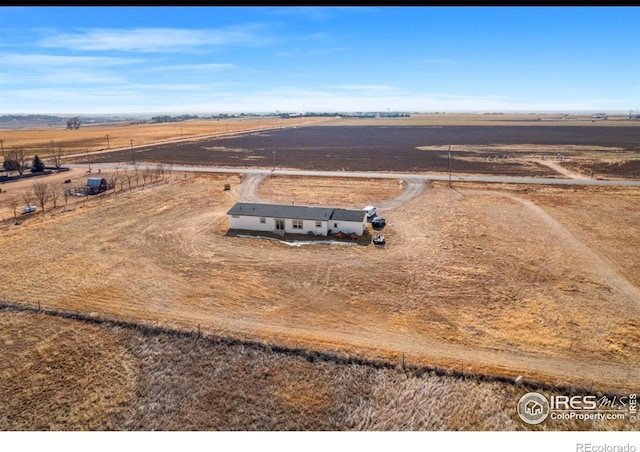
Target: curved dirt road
247,191
413,189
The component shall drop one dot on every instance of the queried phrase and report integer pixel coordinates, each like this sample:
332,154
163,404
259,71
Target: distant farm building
292,219
96,185
600,116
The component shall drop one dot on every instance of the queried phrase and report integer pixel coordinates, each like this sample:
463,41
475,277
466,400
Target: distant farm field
506,150
485,144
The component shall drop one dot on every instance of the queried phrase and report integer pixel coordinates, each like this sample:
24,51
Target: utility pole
449,166
274,160
133,158
2,146
108,145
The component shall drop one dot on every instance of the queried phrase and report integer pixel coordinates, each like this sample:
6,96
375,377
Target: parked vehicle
371,211
378,223
29,209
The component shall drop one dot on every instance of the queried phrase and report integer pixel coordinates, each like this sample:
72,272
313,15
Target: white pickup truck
371,211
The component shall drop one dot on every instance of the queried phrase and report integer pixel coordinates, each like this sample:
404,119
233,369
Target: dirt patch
469,279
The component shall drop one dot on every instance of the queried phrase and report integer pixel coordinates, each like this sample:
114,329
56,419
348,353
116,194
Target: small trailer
379,240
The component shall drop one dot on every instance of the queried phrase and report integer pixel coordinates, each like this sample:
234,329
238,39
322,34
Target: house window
263,220
297,224
235,216
335,225
318,224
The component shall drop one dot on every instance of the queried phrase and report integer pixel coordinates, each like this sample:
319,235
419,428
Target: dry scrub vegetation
64,374
484,279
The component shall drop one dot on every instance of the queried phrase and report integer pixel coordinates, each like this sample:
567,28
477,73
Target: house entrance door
279,224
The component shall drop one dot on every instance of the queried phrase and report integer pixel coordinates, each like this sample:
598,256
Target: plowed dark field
379,148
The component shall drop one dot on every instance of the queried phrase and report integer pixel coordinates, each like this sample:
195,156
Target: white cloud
47,61
202,98
368,88
161,40
215,67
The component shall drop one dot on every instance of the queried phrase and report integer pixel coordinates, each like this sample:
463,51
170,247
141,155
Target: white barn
296,219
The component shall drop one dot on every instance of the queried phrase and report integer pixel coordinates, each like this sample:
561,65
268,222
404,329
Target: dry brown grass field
99,137
492,280
64,374
495,280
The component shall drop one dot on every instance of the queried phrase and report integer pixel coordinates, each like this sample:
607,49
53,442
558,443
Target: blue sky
117,60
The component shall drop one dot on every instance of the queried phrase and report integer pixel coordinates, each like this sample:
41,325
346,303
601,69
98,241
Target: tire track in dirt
247,189
413,189
559,169
428,349
606,271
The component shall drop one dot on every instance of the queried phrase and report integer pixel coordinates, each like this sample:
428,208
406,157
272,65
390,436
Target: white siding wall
347,226
253,224
307,226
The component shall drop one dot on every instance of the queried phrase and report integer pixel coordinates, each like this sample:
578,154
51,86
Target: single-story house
296,219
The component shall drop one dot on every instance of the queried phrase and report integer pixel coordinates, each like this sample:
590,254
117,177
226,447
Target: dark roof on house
348,215
94,181
296,212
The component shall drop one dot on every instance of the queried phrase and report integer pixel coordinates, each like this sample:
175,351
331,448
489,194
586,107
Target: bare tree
55,151
14,203
22,160
54,193
146,173
73,123
123,179
65,193
27,197
41,191
113,180
15,160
